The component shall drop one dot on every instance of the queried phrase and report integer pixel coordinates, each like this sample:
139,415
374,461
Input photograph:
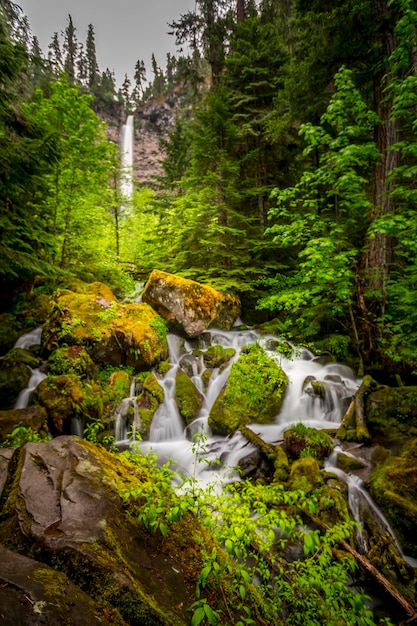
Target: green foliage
253,524
95,431
322,217
78,182
22,434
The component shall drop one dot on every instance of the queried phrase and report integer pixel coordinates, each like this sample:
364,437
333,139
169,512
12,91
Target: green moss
71,360
65,397
14,377
253,393
149,400
187,396
281,466
305,475
217,356
393,485
348,463
301,440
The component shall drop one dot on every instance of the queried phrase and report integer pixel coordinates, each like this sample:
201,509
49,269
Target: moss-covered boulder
305,475
68,397
14,377
188,307
393,485
302,440
71,360
253,393
189,400
217,356
113,333
151,396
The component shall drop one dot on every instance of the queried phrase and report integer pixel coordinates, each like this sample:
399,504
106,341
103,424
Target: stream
214,459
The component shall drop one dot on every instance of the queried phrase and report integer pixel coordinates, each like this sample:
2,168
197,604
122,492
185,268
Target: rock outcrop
188,307
114,333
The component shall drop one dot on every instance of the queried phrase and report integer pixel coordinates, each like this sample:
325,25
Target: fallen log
353,425
363,561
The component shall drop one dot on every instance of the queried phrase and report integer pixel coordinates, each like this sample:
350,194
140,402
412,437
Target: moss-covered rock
305,475
189,400
302,440
393,485
217,356
14,377
71,360
113,333
22,356
281,466
149,399
253,393
189,307
392,410
68,397
349,463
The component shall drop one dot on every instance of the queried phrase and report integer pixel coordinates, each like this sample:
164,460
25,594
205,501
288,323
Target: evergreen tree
92,65
25,154
55,56
71,50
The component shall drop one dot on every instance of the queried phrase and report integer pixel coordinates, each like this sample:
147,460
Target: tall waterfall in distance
126,184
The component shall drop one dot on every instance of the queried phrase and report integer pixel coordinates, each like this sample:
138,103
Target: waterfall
126,186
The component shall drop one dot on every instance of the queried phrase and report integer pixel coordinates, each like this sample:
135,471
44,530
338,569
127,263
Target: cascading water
25,342
126,186
170,439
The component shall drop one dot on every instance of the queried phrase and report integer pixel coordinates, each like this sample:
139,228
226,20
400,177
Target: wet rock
253,393
188,307
189,400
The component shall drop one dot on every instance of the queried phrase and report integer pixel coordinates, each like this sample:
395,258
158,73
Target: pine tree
71,50
92,65
55,56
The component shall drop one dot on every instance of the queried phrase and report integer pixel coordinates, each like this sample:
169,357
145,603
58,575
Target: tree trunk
240,10
377,255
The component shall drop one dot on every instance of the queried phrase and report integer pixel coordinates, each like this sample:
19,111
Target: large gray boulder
188,307
63,506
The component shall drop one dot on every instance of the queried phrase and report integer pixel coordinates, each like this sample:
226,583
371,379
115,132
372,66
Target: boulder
64,507
253,393
188,307
113,333
189,400
32,593
33,417
66,397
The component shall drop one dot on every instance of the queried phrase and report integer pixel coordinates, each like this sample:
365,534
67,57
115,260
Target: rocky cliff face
152,122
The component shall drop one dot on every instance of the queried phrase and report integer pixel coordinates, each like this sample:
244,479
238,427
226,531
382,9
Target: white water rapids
170,439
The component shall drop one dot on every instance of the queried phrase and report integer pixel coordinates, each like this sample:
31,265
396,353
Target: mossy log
353,425
266,449
363,561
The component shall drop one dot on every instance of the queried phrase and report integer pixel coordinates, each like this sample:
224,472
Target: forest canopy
289,174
